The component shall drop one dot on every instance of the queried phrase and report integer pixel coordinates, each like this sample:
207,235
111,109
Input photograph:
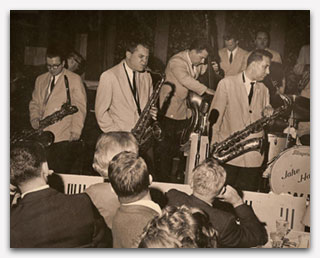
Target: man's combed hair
201,44
131,45
208,177
231,34
128,174
55,52
257,55
179,227
109,143
26,159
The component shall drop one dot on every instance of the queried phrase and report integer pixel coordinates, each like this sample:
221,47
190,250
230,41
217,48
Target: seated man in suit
108,145
130,180
45,217
209,183
233,58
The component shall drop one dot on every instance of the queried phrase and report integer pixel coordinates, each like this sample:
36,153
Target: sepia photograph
160,128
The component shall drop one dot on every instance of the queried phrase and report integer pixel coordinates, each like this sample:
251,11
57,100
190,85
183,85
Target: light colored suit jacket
231,100
180,73
238,64
40,109
115,107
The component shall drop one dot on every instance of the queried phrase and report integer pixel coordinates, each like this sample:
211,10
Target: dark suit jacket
48,218
248,233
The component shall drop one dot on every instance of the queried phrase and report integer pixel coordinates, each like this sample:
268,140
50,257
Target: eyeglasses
55,66
223,190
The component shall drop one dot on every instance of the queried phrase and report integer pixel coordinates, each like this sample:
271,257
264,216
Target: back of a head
183,227
208,178
200,44
26,159
257,55
128,174
110,144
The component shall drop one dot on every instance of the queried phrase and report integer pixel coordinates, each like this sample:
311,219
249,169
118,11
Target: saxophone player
52,89
124,90
241,100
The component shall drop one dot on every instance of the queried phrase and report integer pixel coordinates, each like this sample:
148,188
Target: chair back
74,184
270,207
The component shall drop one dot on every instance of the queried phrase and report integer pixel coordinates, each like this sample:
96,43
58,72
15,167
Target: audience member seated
44,217
179,227
209,183
108,145
130,180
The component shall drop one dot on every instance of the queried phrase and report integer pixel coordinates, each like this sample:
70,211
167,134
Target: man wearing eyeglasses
50,93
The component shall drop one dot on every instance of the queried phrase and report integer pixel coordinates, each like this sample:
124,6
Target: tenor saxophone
234,146
146,129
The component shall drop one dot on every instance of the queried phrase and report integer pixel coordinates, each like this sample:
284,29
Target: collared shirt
56,78
35,190
233,52
247,83
147,203
129,72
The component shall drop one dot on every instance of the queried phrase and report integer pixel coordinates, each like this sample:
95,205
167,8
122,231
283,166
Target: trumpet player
241,100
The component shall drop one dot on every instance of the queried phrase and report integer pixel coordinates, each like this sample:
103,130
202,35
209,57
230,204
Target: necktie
251,92
134,86
231,57
52,85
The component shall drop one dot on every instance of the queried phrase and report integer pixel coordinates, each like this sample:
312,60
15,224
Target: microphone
213,117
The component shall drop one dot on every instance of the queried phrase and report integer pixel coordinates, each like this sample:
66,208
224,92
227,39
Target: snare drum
290,171
277,143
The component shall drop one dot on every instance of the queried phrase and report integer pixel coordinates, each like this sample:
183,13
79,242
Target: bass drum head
290,172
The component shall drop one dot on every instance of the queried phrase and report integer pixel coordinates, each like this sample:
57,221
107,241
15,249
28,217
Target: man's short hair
55,52
257,55
208,178
26,159
179,227
230,34
131,45
128,174
112,143
264,31
201,44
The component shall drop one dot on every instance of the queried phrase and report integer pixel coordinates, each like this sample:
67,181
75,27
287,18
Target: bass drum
290,171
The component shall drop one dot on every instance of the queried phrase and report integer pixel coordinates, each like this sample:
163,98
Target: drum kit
288,167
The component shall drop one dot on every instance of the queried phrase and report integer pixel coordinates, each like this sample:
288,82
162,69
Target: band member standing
124,91
241,100
50,92
182,72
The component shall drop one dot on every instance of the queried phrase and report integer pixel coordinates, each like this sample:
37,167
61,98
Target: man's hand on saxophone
267,111
153,112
